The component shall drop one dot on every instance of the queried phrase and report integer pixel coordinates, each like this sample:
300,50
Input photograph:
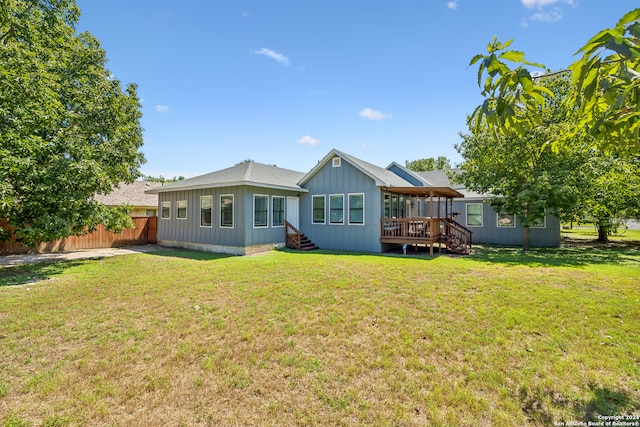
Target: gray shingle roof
245,173
439,178
131,194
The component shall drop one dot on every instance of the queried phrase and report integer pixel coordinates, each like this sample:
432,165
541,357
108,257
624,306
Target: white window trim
211,198
233,211
505,226
284,205
324,208
336,223
162,209
186,209
336,162
544,222
349,209
466,215
254,211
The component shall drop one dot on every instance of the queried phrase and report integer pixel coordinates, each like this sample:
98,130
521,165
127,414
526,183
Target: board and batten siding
343,180
264,235
239,239
490,233
189,230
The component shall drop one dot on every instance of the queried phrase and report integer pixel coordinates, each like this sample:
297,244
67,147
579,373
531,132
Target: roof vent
336,162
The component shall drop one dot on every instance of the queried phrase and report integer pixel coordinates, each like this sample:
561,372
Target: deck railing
460,234
293,236
410,228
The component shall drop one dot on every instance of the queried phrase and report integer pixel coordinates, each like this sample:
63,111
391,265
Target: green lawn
285,338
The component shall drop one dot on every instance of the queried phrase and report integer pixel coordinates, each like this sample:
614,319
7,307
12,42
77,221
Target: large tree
523,175
605,91
612,193
68,131
428,164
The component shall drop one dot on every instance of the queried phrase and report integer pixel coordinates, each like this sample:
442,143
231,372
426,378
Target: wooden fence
143,233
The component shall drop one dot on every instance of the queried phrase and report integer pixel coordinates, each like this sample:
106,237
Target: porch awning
424,191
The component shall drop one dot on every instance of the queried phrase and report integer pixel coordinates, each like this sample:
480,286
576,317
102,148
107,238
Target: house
143,204
343,203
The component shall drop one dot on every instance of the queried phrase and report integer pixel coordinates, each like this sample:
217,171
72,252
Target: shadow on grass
605,402
31,273
566,255
189,254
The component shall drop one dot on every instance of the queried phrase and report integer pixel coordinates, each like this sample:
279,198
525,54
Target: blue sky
284,82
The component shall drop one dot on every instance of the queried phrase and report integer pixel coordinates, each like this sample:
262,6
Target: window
387,205
226,210
206,203
277,211
182,209
538,222
336,209
260,210
506,219
166,210
318,209
336,162
394,206
356,208
474,214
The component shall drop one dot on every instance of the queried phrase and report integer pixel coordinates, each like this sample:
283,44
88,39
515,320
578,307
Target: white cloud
550,17
307,140
273,55
453,5
367,146
537,4
162,108
371,114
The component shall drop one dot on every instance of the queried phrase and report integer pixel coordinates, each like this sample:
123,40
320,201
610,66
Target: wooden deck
426,231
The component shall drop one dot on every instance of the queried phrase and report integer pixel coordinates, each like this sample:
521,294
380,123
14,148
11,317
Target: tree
525,177
67,129
428,164
162,179
612,193
604,100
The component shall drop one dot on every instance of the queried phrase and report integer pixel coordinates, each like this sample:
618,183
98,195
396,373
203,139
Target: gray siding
243,234
343,180
490,233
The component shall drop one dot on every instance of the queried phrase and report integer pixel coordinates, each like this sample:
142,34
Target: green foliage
68,130
428,164
613,192
149,178
605,91
523,174
512,99
607,86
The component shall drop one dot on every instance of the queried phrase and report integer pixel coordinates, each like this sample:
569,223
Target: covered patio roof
424,191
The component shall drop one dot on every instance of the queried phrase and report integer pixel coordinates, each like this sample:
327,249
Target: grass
285,338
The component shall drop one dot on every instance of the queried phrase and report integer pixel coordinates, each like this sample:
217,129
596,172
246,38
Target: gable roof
382,177
131,194
245,173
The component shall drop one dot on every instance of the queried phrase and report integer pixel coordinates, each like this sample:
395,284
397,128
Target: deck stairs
297,240
456,237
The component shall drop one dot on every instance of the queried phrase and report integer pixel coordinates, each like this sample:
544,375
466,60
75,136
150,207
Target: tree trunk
602,234
525,243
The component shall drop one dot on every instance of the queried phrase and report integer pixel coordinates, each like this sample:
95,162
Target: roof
131,194
440,178
382,177
245,173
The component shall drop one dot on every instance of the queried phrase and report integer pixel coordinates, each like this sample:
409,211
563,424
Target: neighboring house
343,203
134,194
